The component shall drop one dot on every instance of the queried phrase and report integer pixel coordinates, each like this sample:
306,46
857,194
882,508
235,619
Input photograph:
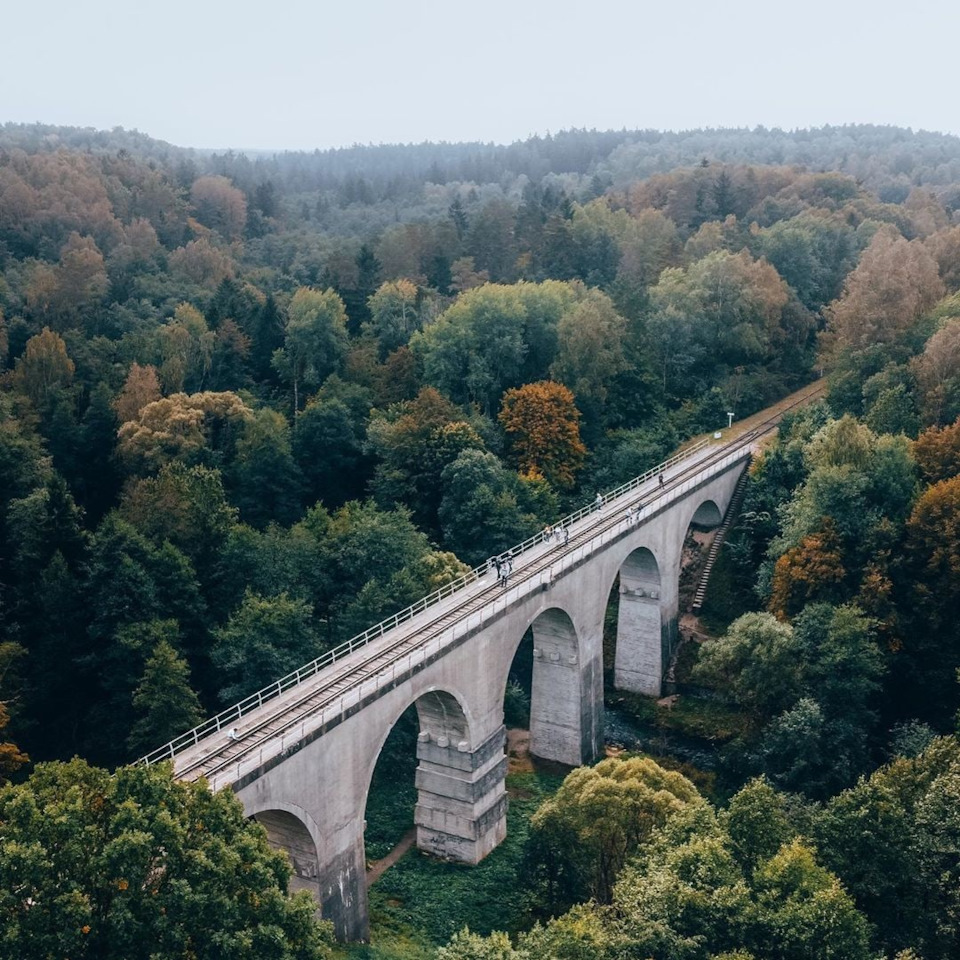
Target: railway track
375,661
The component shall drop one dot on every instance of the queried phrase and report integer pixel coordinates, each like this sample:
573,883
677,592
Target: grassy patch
393,793
423,900
699,717
389,815
392,940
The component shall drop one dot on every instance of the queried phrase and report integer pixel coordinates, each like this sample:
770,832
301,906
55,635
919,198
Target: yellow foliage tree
542,423
181,427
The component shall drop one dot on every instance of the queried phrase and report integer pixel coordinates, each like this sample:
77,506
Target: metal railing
228,771
272,691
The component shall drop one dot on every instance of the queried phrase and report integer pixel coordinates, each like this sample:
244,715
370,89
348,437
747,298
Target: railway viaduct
300,754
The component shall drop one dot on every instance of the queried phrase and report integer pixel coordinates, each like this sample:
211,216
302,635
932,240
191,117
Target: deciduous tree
137,866
542,424
315,339
894,283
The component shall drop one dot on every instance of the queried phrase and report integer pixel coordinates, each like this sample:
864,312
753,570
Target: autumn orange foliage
937,452
806,571
542,423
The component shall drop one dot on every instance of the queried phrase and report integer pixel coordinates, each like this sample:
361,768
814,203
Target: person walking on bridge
598,501
660,479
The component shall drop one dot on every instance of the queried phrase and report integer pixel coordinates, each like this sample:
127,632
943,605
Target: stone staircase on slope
732,511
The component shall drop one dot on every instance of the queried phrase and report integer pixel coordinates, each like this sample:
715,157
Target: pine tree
166,700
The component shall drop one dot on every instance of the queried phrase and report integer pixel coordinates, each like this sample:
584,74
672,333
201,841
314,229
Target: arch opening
640,637
287,832
707,516
544,687
433,786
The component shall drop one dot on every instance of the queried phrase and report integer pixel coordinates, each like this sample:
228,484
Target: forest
251,405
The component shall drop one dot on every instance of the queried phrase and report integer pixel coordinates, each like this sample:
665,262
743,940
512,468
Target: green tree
590,352
165,700
813,253
758,661
186,506
414,441
97,865
493,338
185,347
486,508
598,818
315,339
394,315
328,447
758,823
265,477
264,639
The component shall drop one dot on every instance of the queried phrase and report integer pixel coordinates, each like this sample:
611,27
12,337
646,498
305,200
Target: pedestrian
506,569
232,734
496,566
547,533
631,516
598,501
566,535
660,478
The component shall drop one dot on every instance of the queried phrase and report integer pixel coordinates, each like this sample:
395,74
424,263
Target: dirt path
377,869
518,751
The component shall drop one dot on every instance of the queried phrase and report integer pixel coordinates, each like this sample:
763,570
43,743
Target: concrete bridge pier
643,625
461,811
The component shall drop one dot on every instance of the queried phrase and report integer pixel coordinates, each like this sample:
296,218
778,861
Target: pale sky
294,74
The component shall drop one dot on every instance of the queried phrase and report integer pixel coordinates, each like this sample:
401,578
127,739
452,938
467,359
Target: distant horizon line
546,135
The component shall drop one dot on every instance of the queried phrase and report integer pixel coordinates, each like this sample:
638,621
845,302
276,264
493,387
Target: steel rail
383,658
255,700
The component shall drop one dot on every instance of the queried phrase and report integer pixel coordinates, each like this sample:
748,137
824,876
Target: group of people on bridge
560,534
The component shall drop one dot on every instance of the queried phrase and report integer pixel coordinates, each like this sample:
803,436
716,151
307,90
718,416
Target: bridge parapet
425,639
227,718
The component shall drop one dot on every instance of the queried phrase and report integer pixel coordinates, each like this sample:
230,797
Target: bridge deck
280,717
285,720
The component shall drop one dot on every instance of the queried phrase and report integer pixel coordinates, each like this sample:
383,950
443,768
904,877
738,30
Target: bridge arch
639,657
291,829
461,797
707,516
557,728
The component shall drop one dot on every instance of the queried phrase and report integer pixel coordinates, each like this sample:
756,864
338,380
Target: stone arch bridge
300,754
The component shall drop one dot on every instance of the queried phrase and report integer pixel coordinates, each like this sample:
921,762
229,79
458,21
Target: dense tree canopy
251,405
135,865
